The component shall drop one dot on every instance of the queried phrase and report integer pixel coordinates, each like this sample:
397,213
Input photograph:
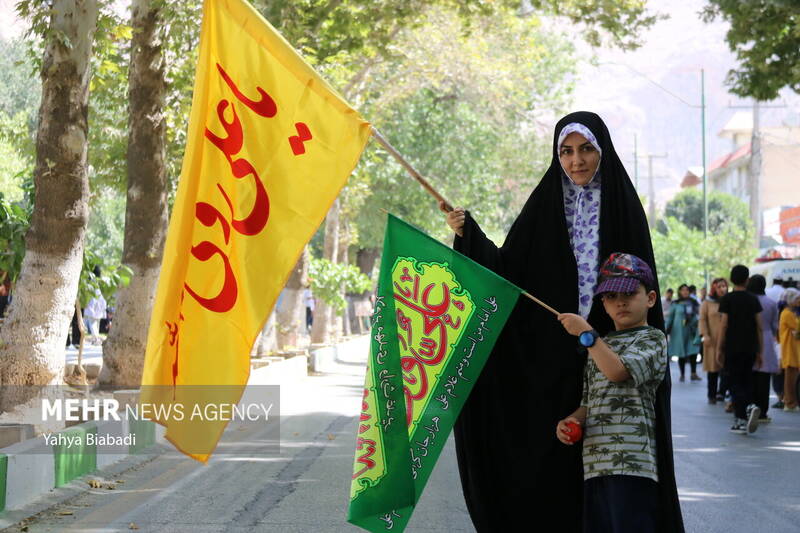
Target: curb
33,467
279,370
326,358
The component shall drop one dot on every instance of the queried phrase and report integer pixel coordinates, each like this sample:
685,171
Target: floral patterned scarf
582,213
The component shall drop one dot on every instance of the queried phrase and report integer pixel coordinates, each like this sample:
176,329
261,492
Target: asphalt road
727,482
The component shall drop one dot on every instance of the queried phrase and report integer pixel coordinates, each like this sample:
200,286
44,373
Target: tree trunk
267,341
321,329
32,351
146,209
291,312
366,258
343,321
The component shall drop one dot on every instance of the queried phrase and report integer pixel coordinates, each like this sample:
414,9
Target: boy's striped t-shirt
619,434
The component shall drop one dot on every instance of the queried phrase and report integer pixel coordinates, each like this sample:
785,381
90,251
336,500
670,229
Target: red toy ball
574,432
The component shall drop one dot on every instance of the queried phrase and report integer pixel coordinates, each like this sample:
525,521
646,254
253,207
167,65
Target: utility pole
754,168
651,189
705,173
755,172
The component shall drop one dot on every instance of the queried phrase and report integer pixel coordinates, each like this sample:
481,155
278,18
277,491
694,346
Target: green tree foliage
19,91
109,96
681,252
14,221
723,210
363,28
679,255
617,23
19,102
105,233
465,110
328,279
111,278
765,35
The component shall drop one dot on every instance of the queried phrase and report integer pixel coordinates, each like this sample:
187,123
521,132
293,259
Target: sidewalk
35,468
92,359
251,491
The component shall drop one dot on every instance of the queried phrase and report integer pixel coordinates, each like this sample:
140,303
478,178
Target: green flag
437,316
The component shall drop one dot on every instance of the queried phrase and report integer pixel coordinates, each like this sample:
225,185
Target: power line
651,81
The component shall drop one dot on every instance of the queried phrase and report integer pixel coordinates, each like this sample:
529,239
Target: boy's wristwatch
588,338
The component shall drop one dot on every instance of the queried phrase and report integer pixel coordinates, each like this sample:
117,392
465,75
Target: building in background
790,225
778,214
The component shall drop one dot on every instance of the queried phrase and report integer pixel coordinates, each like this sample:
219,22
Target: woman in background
710,319
789,333
769,357
681,326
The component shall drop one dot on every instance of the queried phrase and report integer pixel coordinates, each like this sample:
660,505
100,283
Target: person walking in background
5,292
666,301
693,294
789,334
74,335
776,291
308,300
95,310
769,358
710,320
699,302
681,326
739,348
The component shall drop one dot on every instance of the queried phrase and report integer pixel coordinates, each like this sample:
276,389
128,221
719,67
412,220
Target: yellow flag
270,145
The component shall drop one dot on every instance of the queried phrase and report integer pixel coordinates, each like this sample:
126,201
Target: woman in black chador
515,474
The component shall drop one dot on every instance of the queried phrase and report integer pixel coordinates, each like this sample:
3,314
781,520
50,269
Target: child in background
617,411
740,347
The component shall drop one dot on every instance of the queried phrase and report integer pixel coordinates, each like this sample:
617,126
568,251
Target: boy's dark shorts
620,504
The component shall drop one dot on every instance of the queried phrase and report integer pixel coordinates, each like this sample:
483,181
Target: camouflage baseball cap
622,273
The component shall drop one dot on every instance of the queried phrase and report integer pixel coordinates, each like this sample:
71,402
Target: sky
10,26
621,90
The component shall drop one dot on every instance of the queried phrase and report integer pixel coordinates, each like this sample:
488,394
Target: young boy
739,347
617,411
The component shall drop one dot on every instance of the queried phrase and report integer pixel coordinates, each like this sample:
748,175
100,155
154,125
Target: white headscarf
790,296
577,127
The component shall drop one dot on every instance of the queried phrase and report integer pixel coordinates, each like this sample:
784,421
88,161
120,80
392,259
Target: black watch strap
588,338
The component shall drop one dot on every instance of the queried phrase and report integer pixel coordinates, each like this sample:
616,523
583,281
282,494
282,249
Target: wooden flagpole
433,192
411,170
538,301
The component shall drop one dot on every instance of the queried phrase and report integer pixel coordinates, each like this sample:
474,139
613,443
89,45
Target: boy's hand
564,432
574,324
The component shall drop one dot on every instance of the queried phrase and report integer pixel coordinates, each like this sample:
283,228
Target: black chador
515,474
